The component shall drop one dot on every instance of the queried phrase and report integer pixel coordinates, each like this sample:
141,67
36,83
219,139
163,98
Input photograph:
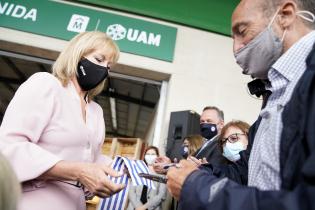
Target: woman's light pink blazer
42,125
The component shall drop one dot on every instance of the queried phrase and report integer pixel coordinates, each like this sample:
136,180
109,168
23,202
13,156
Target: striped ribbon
118,201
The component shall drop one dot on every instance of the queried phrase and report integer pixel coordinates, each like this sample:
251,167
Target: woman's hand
94,178
92,175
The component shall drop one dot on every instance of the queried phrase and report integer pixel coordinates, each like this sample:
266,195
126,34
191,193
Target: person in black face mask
274,40
190,145
90,74
211,123
59,133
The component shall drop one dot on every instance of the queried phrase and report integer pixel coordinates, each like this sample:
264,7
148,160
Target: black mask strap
86,97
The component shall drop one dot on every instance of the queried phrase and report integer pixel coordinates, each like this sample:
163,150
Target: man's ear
221,125
288,15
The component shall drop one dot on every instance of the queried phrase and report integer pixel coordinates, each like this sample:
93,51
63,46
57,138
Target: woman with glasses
234,139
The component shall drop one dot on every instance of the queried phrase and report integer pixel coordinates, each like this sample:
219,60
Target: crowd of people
273,42
51,145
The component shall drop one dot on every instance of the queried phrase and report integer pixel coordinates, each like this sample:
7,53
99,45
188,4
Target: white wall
203,73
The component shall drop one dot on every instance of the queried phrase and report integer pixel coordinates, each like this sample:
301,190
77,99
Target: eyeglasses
233,138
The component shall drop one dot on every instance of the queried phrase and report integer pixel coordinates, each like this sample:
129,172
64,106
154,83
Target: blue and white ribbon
118,201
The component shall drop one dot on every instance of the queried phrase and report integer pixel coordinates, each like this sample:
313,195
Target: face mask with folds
184,151
208,130
231,150
90,74
150,158
258,56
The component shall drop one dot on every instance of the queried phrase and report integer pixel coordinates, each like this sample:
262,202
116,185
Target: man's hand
141,207
177,176
160,162
204,161
163,159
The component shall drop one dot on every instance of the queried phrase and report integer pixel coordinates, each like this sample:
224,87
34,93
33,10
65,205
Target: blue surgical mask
184,151
208,130
231,150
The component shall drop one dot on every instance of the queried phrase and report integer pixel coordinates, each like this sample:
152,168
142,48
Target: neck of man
294,36
212,137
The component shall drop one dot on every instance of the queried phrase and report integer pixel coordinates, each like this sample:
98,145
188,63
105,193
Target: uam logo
119,32
116,31
78,23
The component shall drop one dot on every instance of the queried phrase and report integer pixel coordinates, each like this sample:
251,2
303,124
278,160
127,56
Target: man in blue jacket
273,41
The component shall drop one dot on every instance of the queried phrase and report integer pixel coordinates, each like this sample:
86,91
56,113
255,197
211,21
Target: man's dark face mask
208,130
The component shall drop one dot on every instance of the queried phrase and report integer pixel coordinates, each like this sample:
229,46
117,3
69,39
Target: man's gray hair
220,112
269,7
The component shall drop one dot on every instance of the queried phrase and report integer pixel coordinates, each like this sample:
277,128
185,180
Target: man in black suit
211,123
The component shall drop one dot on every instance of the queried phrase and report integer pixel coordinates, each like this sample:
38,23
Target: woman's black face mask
90,74
184,151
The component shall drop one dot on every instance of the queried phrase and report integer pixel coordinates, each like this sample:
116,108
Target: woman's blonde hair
9,186
195,143
82,44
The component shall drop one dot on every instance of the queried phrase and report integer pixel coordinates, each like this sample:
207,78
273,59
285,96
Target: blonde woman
9,186
191,144
52,131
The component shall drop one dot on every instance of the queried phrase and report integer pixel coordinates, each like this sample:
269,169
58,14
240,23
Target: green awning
209,15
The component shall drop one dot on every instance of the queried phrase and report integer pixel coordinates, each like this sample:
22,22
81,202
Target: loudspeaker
182,124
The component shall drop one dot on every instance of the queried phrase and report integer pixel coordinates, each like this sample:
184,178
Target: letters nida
17,11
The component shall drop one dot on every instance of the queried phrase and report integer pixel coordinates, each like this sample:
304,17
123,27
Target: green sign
210,15
63,21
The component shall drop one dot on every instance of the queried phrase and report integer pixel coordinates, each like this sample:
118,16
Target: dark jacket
202,190
237,171
212,152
